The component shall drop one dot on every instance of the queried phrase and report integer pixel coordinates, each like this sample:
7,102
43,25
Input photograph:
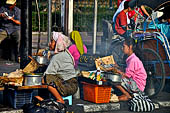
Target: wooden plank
32,87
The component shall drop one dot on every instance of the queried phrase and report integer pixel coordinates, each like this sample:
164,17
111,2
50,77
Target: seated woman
60,73
77,48
134,78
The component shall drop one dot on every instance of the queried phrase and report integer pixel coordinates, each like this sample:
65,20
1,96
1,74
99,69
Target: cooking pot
32,80
42,59
113,77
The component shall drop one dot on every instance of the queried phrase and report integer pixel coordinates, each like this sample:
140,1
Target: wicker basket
31,67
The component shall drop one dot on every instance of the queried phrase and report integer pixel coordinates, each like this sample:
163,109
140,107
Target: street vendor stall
96,85
17,88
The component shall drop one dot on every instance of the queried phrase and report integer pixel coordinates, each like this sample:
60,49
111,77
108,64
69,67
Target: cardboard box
105,60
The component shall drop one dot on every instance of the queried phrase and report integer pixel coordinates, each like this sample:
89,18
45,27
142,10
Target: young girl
134,78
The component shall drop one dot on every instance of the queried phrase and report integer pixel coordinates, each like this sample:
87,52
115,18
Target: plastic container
96,93
32,80
17,99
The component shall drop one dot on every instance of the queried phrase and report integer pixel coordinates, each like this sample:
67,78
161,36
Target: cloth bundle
141,103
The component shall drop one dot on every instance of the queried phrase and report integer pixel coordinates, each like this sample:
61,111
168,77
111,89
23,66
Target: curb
13,111
164,103
103,107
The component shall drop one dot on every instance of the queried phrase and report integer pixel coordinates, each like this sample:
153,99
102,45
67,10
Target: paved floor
7,66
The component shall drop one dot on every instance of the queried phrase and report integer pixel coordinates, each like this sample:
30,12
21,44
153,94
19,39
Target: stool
69,98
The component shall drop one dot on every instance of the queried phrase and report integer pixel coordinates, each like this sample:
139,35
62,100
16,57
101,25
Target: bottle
98,74
45,52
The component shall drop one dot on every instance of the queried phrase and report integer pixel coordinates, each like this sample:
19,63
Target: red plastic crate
96,93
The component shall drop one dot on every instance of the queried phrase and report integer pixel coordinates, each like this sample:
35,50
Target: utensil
113,77
32,80
42,59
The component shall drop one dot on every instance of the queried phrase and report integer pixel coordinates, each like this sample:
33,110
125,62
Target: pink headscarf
62,41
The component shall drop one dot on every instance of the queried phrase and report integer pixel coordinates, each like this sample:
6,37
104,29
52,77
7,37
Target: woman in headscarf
60,73
77,48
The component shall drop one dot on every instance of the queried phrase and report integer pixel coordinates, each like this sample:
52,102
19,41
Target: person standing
10,24
77,48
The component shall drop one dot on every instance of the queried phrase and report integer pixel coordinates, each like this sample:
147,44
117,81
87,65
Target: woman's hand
43,81
122,73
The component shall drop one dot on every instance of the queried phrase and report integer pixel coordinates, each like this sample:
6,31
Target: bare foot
124,98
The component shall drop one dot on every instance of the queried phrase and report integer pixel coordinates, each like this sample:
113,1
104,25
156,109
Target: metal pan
113,77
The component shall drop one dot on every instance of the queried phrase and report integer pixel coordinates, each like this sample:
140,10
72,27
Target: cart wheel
155,72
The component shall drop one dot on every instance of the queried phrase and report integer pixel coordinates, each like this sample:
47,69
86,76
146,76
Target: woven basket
31,67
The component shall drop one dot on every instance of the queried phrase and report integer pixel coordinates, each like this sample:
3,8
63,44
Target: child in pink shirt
77,48
134,78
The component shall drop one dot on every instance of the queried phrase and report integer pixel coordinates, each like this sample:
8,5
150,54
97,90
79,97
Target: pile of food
13,78
16,78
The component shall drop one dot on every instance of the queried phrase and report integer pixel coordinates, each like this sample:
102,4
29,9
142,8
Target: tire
155,70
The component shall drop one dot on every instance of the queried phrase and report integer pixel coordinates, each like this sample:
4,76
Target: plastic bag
45,106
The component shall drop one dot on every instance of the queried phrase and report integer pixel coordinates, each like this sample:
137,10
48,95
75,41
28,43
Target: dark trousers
15,43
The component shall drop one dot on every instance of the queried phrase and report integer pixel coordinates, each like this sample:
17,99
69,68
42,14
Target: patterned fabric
141,103
62,41
65,88
130,85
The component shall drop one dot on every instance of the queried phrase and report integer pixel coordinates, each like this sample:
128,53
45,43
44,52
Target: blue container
17,99
1,97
